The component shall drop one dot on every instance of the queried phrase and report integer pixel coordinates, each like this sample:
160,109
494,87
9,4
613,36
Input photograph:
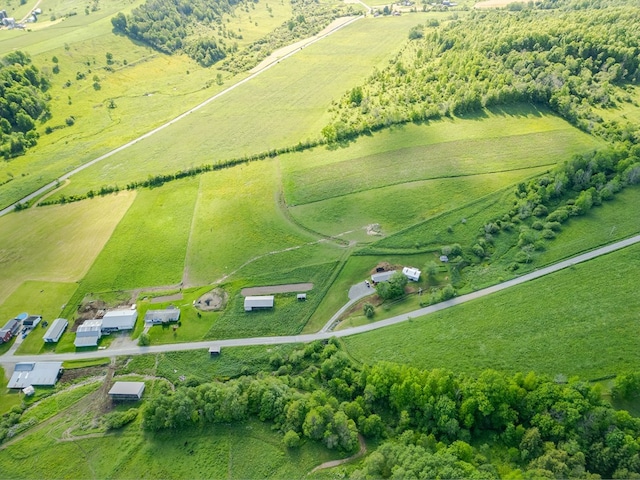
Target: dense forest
569,60
23,101
165,25
430,424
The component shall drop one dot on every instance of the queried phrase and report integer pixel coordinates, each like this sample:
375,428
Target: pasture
57,243
283,108
238,219
574,322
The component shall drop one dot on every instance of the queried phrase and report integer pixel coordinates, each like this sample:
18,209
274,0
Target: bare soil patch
167,298
291,287
385,267
211,301
374,229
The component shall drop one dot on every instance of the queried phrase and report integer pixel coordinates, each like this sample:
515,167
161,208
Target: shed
127,391
411,273
31,321
156,317
56,330
382,276
117,320
302,296
28,391
215,350
444,258
88,333
9,330
258,303
35,373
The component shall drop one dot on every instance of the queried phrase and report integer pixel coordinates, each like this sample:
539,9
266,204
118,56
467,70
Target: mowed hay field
57,243
574,322
404,175
149,246
284,105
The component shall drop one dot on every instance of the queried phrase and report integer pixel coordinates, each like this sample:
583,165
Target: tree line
23,102
569,61
431,423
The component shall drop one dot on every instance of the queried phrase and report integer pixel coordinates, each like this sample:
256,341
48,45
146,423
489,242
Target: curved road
242,342
67,175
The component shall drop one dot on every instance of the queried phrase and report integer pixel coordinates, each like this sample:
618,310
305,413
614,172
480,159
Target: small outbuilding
56,330
127,391
258,303
88,333
382,276
157,317
28,391
117,320
302,296
31,321
35,373
214,351
411,273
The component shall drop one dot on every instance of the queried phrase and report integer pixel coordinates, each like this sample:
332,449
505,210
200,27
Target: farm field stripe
243,342
67,175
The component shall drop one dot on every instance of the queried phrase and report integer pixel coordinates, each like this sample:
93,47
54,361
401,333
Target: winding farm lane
243,342
53,184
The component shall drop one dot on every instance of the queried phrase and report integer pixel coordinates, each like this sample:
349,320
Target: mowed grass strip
57,243
148,248
237,218
449,158
580,321
400,206
281,107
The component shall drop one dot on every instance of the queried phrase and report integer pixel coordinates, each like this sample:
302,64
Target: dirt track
291,287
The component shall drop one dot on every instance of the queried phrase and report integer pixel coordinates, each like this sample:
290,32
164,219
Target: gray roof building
258,303
88,333
56,330
119,320
127,390
155,317
382,276
35,373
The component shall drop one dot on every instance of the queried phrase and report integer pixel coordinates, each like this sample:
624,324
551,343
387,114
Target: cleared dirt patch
167,298
211,301
291,287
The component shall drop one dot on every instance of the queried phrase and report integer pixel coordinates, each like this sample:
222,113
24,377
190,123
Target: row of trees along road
430,423
23,101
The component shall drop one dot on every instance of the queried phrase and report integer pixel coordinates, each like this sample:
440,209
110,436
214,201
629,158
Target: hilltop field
186,152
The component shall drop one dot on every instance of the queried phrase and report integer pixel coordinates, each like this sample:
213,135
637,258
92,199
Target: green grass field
574,322
238,218
56,244
149,245
284,108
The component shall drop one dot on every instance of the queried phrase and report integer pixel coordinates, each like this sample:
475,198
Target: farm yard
358,154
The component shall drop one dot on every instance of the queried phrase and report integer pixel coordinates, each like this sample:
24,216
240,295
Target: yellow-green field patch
57,243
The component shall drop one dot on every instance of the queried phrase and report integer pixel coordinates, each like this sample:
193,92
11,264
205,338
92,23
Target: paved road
243,342
67,175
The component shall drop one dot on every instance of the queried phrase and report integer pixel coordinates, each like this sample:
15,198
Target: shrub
368,310
537,225
117,420
291,439
548,234
144,340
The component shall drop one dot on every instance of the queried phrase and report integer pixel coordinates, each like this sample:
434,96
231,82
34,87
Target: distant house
382,276
9,330
35,373
55,331
88,333
214,351
302,296
127,391
258,303
117,320
157,317
31,321
411,273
